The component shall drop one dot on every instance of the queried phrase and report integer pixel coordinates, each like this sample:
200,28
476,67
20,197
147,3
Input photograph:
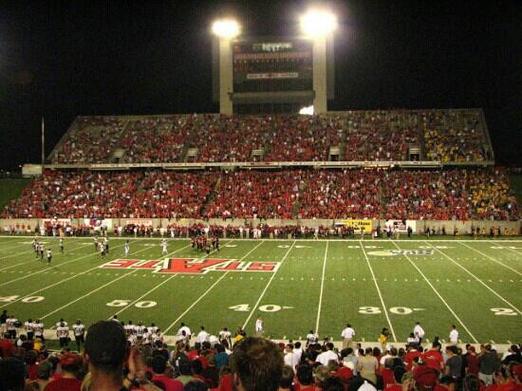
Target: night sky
63,59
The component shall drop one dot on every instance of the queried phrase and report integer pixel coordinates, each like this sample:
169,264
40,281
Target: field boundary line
72,277
209,289
287,240
438,295
479,280
322,289
267,285
379,292
492,259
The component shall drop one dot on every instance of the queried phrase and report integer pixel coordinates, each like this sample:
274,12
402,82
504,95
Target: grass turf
320,285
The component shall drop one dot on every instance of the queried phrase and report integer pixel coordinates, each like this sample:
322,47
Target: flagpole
43,143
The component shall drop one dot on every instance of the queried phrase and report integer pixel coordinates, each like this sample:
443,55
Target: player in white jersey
153,328
62,332
184,327
418,332
202,336
126,248
259,327
49,255
29,329
79,333
60,322
140,330
11,323
38,327
226,335
454,335
164,250
61,245
129,329
348,333
157,336
312,338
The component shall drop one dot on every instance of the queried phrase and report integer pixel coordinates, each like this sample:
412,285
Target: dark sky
65,58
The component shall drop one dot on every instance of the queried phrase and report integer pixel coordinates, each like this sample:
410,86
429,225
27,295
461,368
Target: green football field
302,285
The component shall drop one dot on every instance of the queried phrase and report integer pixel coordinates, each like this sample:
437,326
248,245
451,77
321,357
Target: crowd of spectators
450,194
125,356
90,140
454,136
154,140
380,135
445,135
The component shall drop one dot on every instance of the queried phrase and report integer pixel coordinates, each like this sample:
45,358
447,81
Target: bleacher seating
447,194
442,135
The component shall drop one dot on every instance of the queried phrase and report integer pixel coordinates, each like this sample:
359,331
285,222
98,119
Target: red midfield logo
192,265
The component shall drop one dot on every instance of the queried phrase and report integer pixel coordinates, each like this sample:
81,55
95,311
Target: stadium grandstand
330,251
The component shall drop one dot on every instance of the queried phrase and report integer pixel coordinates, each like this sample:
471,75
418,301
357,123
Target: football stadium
284,239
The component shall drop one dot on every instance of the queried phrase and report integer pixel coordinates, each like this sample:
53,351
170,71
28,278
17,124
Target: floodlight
318,23
226,28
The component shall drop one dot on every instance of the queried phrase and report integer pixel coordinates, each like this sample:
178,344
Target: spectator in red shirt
166,383
71,364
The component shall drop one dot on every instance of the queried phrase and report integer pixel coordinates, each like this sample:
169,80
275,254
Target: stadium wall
27,226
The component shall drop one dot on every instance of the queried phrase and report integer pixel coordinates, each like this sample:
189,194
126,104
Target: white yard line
379,292
267,285
75,276
32,260
156,287
492,259
107,284
439,295
208,291
87,294
322,288
17,254
54,265
478,279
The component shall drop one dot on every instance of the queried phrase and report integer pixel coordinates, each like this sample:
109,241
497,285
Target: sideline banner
357,225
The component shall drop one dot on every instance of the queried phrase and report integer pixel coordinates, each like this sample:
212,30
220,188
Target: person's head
329,346
451,350
368,351
158,364
12,374
297,345
332,383
257,364
195,385
71,363
305,374
44,371
286,378
106,347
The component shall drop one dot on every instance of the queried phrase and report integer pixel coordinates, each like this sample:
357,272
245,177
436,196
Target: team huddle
202,243
41,252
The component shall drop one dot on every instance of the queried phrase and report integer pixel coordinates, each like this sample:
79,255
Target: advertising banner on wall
357,224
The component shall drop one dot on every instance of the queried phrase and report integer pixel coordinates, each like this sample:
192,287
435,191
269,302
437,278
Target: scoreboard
272,65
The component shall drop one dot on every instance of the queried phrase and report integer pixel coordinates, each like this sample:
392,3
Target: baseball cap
106,344
70,359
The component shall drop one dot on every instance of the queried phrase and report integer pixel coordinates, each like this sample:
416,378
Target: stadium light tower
225,30
319,25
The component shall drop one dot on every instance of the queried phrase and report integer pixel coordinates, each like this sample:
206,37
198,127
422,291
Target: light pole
318,25
225,30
